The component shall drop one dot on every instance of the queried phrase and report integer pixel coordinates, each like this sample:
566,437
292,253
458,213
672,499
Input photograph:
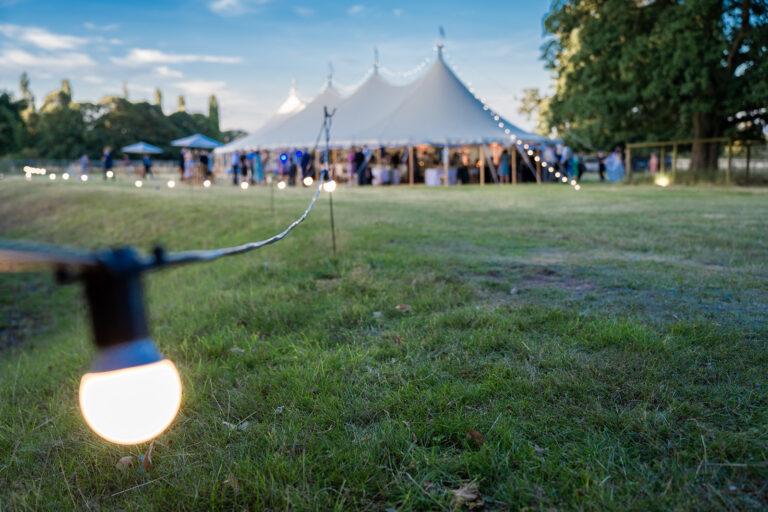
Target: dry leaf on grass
232,483
476,436
126,462
146,459
403,308
468,496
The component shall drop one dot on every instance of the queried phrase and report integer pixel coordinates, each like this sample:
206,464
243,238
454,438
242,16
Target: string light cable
131,394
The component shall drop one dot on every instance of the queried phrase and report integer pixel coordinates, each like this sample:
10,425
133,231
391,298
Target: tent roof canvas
440,110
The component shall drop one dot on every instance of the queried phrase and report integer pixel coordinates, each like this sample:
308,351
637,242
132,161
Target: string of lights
132,394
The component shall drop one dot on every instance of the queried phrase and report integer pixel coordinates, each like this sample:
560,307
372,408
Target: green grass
611,346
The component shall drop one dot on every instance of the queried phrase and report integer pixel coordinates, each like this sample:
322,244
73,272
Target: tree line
64,129
653,70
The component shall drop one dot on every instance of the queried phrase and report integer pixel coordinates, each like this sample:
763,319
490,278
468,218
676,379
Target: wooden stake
513,163
482,164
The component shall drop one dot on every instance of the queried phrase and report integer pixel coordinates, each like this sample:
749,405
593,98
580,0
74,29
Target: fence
739,162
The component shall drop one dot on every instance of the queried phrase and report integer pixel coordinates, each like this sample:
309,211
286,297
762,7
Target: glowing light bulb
485,107
526,146
138,183
544,164
281,185
536,158
110,174
573,182
519,142
557,174
495,118
84,178
171,183
207,183
506,131
565,179
134,402
577,187
244,185
501,125
52,176
530,152
28,177
329,186
662,181
65,176
308,181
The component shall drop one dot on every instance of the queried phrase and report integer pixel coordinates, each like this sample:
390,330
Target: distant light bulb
171,183
329,186
244,185
536,158
495,118
65,176
84,178
110,174
131,404
308,181
565,179
662,181
573,182
281,185
485,107
519,142
506,131
557,174
138,183
52,176
28,177
207,183
526,146
530,152
501,125
544,164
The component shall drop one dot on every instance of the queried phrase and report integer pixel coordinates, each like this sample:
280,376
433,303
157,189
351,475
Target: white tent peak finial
330,75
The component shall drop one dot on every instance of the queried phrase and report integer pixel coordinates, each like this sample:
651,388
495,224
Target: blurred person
258,167
106,161
614,166
462,169
504,167
189,165
234,161
581,166
204,164
243,165
566,161
601,165
180,166
147,167
307,165
653,163
84,164
292,169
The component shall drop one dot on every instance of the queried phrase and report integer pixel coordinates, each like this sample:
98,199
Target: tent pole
481,149
410,165
513,162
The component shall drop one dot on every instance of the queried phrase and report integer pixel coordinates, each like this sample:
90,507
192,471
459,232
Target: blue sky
248,51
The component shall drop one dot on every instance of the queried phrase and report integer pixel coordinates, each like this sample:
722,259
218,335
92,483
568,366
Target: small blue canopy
197,140
141,147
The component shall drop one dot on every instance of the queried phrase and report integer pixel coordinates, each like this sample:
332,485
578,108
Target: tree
628,70
213,111
158,98
12,127
182,104
535,107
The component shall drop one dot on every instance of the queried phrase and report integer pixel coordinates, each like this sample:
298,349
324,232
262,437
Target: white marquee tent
436,109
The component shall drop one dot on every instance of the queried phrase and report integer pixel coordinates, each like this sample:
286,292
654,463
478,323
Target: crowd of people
363,166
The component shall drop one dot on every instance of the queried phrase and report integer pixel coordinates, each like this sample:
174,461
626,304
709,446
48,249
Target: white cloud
93,79
234,7
142,56
355,9
11,58
167,72
304,12
41,37
104,28
397,12
201,87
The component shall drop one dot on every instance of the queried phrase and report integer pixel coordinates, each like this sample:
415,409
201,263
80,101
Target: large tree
629,70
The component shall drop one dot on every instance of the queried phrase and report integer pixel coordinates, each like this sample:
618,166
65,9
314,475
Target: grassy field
601,349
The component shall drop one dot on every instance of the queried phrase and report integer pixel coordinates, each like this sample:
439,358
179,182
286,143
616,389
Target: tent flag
141,147
197,140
